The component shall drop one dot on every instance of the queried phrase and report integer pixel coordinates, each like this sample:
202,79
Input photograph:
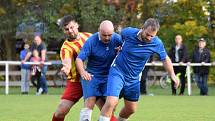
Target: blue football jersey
99,55
135,53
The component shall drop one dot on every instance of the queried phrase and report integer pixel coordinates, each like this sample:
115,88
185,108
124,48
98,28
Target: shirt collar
139,34
99,36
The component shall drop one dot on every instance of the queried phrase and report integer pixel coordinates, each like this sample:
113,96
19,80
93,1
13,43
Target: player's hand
66,66
86,76
177,83
118,49
176,80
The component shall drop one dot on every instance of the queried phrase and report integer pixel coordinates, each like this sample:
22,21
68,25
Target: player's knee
111,104
62,110
90,104
131,110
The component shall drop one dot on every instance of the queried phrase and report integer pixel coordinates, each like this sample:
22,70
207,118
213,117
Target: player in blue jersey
125,72
99,51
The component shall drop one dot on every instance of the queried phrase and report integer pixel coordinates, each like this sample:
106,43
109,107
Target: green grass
160,107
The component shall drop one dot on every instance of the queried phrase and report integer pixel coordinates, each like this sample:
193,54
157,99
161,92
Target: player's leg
62,110
91,89
131,97
71,95
86,112
128,109
108,108
103,88
114,86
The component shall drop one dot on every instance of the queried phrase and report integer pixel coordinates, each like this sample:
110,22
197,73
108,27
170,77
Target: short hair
152,23
202,40
65,20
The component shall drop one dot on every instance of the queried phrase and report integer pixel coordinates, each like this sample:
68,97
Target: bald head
106,26
106,30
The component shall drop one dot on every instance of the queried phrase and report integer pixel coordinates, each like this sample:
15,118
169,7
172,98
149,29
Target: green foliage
93,12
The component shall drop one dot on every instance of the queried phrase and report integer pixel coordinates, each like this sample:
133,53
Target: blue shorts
117,83
94,88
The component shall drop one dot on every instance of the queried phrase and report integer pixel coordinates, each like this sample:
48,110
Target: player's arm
80,67
66,61
66,65
83,55
169,68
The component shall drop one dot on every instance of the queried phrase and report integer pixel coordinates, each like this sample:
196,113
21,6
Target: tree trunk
9,45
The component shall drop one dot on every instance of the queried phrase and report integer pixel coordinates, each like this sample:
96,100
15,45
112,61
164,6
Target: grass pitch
160,107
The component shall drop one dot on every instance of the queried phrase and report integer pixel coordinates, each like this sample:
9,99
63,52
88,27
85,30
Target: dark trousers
36,78
201,80
143,85
182,71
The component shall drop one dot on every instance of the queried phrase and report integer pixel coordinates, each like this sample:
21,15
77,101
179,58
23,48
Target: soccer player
99,51
69,51
125,72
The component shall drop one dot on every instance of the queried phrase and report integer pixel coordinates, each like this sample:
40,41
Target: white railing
8,63
188,71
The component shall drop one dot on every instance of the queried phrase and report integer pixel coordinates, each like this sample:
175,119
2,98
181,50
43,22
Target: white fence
8,63
188,71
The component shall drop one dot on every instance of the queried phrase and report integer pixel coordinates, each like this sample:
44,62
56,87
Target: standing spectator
124,74
36,72
24,71
178,54
201,55
143,82
40,46
99,51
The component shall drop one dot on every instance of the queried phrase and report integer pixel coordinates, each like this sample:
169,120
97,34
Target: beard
71,37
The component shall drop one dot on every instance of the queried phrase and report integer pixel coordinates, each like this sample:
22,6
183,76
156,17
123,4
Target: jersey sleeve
65,53
119,40
85,51
161,51
123,34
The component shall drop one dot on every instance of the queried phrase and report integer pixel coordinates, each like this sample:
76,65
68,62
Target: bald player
99,51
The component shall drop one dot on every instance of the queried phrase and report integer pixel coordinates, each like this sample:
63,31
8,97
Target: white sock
103,118
85,114
122,119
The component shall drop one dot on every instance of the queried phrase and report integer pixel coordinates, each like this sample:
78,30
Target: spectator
143,82
24,71
178,54
36,72
40,46
201,55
